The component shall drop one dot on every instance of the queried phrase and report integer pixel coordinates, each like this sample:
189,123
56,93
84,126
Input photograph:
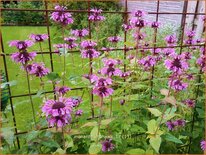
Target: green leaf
11,83
151,126
136,151
8,135
50,144
53,76
107,121
95,148
68,141
60,151
155,112
89,124
94,134
172,138
32,135
155,142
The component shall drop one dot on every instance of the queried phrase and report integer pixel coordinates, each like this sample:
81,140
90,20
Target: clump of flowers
203,145
114,39
37,69
70,41
177,84
173,125
147,62
79,112
62,90
171,40
61,17
110,68
38,37
190,103
88,49
23,57
95,15
58,112
107,145
21,45
80,33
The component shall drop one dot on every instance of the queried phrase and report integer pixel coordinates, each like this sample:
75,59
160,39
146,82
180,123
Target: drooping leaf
94,134
89,124
95,148
155,112
155,142
136,151
172,138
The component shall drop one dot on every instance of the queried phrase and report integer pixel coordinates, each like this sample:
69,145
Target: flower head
177,64
58,112
61,17
80,33
168,51
79,112
62,90
190,33
23,57
171,40
95,15
139,14
126,27
203,145
76,101
177,84
170,125
70,42
107,145
190,103
89,53
38,37
114,39
110,69
21,45
155,25
39,70
147,62
201,62
88,44
135,22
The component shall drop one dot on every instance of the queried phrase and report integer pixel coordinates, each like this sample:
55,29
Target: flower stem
100,117
42,85
42,55
63,138
110,106
30,97
64,61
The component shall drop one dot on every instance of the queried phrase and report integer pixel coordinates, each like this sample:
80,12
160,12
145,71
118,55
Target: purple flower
126,74
170,125
79,112
39,70
139,13
139,36
107,145
179,123
203,145
189,42
147,62
38,37
76,101
190,103
168,51
23,57
155,25
100,81
114,39
21,45
61,17
171,40
156,51
177,64
135,22
190,34
107,49
126,27
62,90
177,84
102,91
122,102
88,44
80,33
110,70
95,15
70,42
186,55
203,18
89,53
201,62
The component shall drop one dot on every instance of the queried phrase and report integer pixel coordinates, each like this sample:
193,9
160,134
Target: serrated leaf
155,142
172,138
94,134
136,151
89,124
155,112
151,126
95,148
